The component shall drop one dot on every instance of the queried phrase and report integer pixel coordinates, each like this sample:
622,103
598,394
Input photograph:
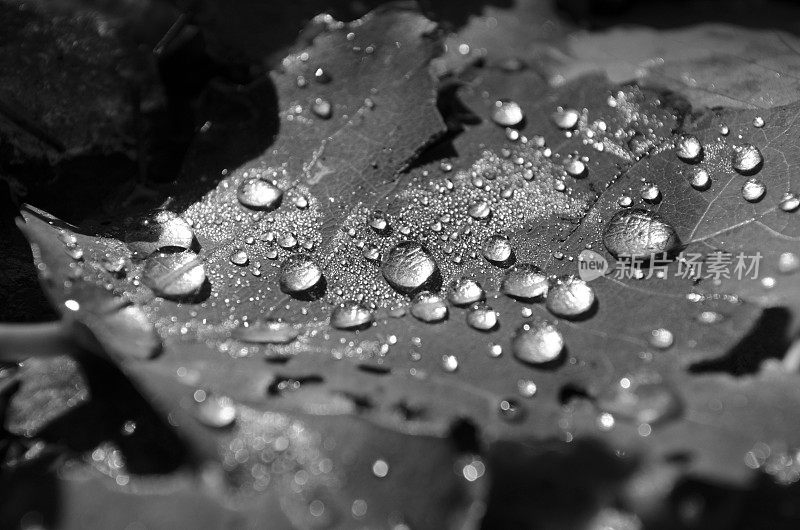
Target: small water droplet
511,410
497,249
408,267
258,194
700,179
747,159
537,343
526,387
625,201
300,275
753,190
758,122
428,307
710,317
481,317
524,281
379,223
688,148
638,233
566,118
650,192
322,76
380,468
570,297
507,113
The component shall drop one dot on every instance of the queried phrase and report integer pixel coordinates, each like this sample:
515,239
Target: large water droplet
449,363
566,118
239,257
482,317
661,338
497,249
642,398
570,297
465,291
259,194
688,148
575,167
747,159
507,113
408,267
160,230
266,332
428,307
480,210
537,343
638,233
322,108
753,190
174,276
524,281
650,192
351,315
300,276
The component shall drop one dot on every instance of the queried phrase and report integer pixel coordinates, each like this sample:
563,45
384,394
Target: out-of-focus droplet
161,230
788,263
174,276
642,398
215,411
266,332
661,338
322,108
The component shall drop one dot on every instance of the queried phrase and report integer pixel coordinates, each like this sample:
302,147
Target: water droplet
239,257
481,317
526,387
300,275
480,210
287,241
638,144
700,179
788,263
511,410
497,249
625,201
351,315
661,338
372,253
524,281
408,267
114,264
322,108
790,202
753,190
507,113
465,291
378,222
380,468
650,192
747,159
258,194
688,148
758,122
537,343
566,118
215,411
266,332
428,307
161,230
570,297
449,363
710,317
638,233
175,275
322,76
643,398
575,167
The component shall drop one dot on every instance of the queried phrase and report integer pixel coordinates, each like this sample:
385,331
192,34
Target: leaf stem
46,339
